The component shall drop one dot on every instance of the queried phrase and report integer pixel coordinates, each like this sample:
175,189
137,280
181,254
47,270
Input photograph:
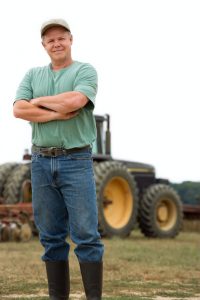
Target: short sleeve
24,90
86,82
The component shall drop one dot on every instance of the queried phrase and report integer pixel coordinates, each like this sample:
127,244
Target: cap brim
52,25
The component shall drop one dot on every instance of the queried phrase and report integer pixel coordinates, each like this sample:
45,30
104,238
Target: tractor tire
5,170
160,212
18,185
117,199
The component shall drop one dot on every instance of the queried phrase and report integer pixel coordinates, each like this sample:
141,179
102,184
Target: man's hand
35,101
67,116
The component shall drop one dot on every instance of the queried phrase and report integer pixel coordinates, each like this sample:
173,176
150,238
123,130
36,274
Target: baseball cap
54,22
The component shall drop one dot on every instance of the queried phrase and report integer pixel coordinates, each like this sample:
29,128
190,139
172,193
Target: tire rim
118,202
166,214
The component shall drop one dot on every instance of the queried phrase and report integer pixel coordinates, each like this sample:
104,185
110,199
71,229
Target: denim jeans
64,204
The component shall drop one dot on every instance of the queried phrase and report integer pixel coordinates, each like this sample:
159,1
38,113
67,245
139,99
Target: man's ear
71,38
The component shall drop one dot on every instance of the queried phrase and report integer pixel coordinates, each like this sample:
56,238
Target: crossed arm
63,106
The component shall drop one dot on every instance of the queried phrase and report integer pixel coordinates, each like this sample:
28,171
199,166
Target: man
58,100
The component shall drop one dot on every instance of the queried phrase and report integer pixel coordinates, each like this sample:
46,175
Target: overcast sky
147,54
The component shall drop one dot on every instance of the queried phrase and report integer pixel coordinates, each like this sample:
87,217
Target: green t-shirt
43,81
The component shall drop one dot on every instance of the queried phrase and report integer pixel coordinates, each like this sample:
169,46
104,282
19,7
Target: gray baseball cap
54,22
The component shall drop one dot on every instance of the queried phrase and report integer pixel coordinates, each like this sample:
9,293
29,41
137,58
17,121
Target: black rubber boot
92,275
58,279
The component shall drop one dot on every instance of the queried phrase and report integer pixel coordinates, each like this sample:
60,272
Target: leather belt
54,151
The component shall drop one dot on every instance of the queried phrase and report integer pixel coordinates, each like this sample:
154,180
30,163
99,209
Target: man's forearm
63,103
25,110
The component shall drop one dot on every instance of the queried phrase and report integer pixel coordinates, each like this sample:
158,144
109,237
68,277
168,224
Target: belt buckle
53,151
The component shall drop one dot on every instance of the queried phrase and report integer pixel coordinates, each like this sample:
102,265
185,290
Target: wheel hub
117,202
163,213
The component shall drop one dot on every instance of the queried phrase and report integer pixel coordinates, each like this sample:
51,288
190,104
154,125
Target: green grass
134,268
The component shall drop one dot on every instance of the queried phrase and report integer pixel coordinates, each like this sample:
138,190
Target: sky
147,55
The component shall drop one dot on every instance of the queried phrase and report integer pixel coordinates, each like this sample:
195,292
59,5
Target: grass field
134,268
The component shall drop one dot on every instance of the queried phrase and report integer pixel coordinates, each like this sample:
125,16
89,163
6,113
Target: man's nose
56,44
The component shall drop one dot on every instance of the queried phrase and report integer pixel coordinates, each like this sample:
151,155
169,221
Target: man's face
57,42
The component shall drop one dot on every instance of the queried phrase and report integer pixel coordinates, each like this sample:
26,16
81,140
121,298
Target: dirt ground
134,268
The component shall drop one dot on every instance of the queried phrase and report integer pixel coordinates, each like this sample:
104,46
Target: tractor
128,193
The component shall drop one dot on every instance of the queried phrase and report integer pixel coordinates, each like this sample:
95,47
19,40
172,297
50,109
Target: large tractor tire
5,170
117,199
160,212
18,185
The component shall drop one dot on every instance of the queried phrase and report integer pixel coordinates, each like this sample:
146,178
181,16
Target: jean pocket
35,156
81,155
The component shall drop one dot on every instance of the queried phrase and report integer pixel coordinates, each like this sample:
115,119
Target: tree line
189,192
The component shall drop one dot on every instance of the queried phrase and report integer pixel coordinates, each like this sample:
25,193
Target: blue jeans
64,204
